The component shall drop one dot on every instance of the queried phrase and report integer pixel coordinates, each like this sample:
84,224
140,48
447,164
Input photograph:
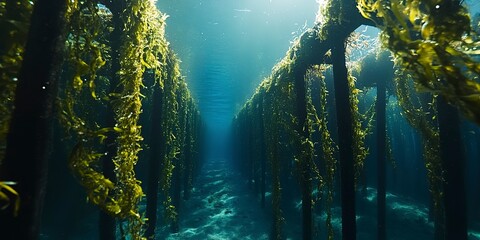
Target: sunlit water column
215,95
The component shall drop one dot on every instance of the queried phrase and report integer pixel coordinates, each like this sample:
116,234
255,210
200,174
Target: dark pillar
305,161
107,223
276,175
29,138
263,157
453,160
157,151
381,159
345,136
250,154
176,198
188,154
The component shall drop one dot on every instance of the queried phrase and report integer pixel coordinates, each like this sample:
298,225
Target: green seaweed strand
360,151
14,22
142,45
170,123
329,148
419,119
432,40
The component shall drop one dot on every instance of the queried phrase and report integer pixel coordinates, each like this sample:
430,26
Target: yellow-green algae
278,92
170,126
433,45
6,194
432,40
14,22
143,47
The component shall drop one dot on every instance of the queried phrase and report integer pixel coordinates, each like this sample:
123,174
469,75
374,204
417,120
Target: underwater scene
239,119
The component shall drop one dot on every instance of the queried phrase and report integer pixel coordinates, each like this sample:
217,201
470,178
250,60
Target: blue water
228,47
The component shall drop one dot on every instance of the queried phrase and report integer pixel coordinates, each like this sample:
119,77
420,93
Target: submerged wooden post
273,157
157,151
453,160
250,156
176,196
178,170
381,158
308,52
303,130
255,150
263,157
345,141
188,153
29,138
107,223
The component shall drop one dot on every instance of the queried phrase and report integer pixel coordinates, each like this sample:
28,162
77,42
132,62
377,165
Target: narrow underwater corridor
240,119
222,207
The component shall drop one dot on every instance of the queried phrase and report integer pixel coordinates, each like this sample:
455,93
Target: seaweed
7,192
328,146
142,47
14,22
434,42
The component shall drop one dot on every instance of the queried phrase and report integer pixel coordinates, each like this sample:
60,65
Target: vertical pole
30,133
178,170
256,149
272,147
188,152
345,136
381,158
157,151
263,157
250,155
107,226
453,160
107,223
176,198
306,182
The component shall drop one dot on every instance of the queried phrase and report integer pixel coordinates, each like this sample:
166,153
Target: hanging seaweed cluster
88,50
283,136
110,47
365,70
192,149
180,133
281,108
433,41
170,132
434,46
14,22
277,116
420,113
87,53
328,146
362,126
272,138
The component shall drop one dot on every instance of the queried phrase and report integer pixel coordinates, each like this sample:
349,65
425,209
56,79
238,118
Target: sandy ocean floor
221,207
